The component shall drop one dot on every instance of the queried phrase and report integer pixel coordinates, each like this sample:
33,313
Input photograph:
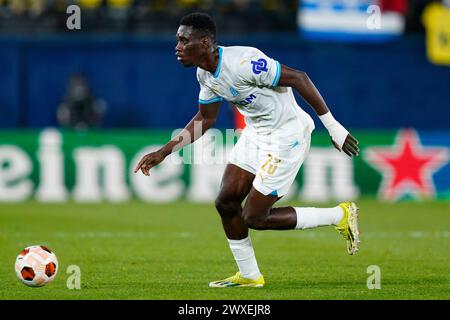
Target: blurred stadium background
79,107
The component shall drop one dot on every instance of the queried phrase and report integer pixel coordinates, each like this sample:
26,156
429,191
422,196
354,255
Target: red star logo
407,167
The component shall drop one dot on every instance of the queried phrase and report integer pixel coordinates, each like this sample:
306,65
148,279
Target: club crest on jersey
259,66
234,92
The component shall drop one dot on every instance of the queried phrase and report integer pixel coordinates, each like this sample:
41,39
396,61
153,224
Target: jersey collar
219,63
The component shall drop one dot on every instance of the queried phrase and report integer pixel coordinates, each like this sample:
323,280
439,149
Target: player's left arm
300,81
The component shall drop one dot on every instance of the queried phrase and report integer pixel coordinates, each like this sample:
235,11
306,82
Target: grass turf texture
172,251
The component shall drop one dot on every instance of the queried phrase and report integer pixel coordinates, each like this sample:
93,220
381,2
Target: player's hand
149,161
350,146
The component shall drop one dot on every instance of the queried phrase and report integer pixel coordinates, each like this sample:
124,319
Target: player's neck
211,61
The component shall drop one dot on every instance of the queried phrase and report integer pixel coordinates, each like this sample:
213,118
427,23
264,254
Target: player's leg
235,185
236,182
258,214
275,175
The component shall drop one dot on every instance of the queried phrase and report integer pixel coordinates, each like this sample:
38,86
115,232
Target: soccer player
268,155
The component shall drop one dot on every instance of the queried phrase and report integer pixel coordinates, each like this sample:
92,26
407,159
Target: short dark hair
201,22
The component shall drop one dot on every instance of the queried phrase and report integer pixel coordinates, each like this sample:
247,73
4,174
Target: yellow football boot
238,281
348,226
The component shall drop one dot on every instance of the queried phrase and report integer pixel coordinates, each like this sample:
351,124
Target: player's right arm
200,123
258,69
299,80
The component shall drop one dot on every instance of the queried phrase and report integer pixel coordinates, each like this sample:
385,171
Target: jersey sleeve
258,69
206,95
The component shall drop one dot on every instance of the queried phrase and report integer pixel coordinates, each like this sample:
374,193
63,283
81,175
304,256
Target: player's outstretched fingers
145,169
352,144
352,139
139,165
346,150
355,145
352,148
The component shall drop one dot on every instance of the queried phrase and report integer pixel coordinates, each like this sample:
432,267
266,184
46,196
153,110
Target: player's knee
226,207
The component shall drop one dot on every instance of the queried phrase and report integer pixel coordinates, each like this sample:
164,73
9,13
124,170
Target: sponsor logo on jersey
259,66
246,101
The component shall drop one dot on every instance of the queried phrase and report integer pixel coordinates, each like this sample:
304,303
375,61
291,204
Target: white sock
317,217
245,257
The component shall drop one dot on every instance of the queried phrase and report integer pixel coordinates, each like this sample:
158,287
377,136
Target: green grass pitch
171,252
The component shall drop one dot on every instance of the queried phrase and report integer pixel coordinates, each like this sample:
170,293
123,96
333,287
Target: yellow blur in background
436,19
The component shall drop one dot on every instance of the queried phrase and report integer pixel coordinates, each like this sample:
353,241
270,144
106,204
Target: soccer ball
36,266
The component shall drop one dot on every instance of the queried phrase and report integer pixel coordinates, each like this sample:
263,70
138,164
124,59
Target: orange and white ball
36,266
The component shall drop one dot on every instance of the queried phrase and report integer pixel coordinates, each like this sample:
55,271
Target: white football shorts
274,159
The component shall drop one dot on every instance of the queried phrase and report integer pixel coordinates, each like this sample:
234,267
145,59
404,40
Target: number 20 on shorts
270,165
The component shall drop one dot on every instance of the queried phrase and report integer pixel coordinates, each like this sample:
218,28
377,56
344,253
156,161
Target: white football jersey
248,79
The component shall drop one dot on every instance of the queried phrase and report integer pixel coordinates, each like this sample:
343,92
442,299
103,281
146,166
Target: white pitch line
98,234
291,234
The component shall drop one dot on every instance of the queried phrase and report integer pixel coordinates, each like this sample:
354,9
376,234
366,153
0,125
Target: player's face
189,49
